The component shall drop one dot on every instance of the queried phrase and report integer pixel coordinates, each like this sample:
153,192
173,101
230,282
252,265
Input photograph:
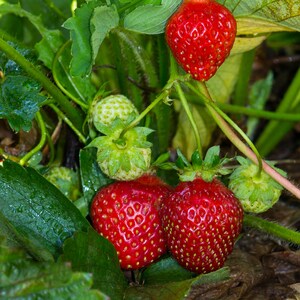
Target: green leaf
222,84
36,210
89,27
48,46
22,278
19,105
103,20
164,271
182,161
81,88
92,178
10,67
92,253
151,19
258,16
53,12
51,39
174,290
257,19
245,43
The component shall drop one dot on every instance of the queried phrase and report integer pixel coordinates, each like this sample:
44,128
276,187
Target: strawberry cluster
197,221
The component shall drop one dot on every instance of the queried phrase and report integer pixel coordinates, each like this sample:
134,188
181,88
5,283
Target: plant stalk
190,117
82,100
68,122
272,228
41,143
137,120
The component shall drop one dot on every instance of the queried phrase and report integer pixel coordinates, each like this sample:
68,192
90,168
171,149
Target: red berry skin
200,35
127,214
202,221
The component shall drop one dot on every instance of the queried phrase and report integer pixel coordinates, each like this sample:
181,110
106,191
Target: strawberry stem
40,145
120,143
68,122
190,117
241,132
251,155
263,114
217,113
272,228
163,96
137,120
251,112
56,60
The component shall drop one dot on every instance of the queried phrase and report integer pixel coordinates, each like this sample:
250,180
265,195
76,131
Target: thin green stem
73,114
272,228
190,117
40,145
8,156
51,149
136,121
81,102
240,132
162,96
247,111
263,114
55,9
68,122
219,114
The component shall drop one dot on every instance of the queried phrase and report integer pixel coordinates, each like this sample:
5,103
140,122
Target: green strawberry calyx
208,168
256,191
123,156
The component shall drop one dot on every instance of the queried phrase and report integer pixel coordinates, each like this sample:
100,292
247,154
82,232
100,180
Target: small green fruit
257,193
125,157
66,180
105,111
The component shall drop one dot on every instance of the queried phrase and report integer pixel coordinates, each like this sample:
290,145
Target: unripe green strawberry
66,180
105,111
123,158
257,193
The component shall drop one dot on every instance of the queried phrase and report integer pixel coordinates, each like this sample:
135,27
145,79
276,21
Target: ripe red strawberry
202,221
126,213
200,35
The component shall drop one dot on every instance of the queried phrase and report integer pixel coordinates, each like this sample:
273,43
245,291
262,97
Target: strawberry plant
133,139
